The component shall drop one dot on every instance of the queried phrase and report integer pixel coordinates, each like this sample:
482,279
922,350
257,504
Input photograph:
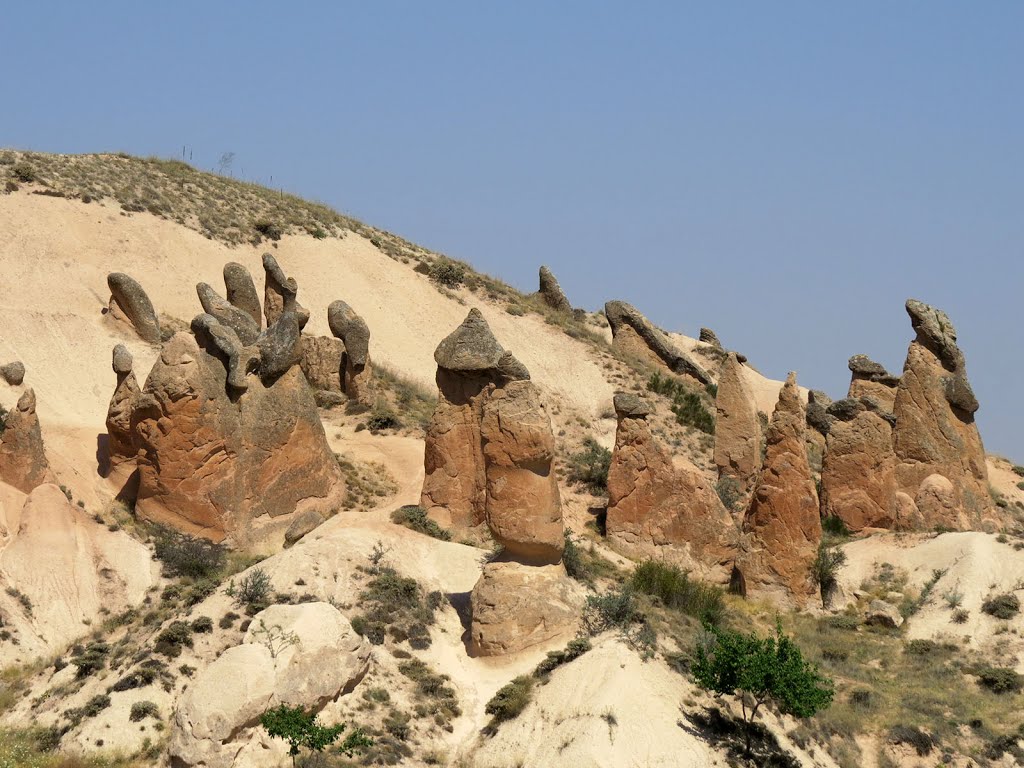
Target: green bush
396,605
90,659
687,405
1000,679
202,625
173,638
510,700
23,172
760,670
677,591
301,729
834,526
729,491
415,518
825,569
447,273
590,466
268,229
143,709
555,659
186,556
1004,606
617,609
912,736
252,592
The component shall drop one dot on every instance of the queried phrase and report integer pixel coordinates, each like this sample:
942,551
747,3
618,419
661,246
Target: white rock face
299,655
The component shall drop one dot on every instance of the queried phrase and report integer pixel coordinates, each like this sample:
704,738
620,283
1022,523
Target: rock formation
737,430
241,291
219,463
709,337
657,508
13,373
129,302
783,521
216,723
858,477
935,433
818,418
551,292
635,335
321,361
870,379
356,371
121,443
227,314
23,461
488,459
278,292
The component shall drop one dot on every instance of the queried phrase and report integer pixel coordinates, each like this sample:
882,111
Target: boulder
522,502
518,606
321,360
128,301
121,443
818,418
13,373
658,508
883,614
227,314
222,342
783,523
279,293
870,379
235,466
304,655
23,461
935,432
241,291
635,335
280,346
858,477
737,429
709,337
551,292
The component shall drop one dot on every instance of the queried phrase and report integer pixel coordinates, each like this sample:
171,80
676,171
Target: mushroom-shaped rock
470,348
871,379
241,291
121,444
737,429
23,461
13,373
783,522
279,293
353,331
129,301
935,432
238,320
635,335
221,341
280,346
551,292
658,508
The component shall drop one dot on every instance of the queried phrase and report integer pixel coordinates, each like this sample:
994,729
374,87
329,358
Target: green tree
825,569
300,729
763,668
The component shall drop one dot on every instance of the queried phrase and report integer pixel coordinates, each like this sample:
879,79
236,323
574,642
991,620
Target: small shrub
677,591
1018,470
301,729
912,736
573,560
590,466
510,700
186,556
825,569
202,625
960,616
555,659
173,638
415,518
729,491
268,229
90,659
252,592
1004,606
954,598
687,405
1000,679
833,526
23,172
22,598
447,273
228,620
143,709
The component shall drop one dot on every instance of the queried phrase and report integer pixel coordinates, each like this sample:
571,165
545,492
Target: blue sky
785,173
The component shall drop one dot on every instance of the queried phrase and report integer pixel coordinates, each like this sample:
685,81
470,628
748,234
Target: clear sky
785,173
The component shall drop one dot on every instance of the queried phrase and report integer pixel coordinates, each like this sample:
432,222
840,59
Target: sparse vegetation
825,569
252,592
366,482
395,605
1000,679
590,466
509,701
1004,606
617,609
142,709
415,518
448,273
729,492
675,590
185,556
687,404
302,731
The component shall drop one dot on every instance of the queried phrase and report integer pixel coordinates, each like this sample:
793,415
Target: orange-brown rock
23,461
517,606
737,429
121,443
321,362
658,508
783,522
935,433
235,466
858,478
522,504
870,379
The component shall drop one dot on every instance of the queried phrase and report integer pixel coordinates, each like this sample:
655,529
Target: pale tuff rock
737,429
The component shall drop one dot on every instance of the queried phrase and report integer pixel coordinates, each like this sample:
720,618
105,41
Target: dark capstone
629,406
620,313
470,347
